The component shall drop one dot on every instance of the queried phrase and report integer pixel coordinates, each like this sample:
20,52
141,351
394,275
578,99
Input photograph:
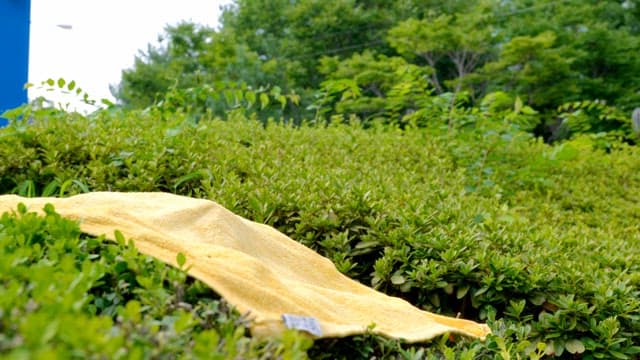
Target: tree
609,65
377,54
386,86
453,45
298,33
599,36
535,68
189,56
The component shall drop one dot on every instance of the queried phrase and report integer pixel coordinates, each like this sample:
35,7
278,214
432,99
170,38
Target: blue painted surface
14,53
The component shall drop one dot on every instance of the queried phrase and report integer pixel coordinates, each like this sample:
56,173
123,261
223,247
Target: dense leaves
547,53
68,296
478,219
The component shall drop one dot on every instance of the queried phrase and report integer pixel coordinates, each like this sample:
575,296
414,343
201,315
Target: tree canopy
545,53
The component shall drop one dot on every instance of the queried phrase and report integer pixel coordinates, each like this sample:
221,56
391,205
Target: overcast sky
104,37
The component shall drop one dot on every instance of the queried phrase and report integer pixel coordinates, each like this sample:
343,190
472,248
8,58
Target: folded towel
259,270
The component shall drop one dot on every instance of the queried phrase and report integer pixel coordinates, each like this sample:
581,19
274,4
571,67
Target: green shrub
484,222
66,295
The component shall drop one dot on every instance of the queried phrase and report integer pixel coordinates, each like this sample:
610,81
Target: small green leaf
229,96
517,106
82,186
71,85
633,350
283,101
145,282
181,259
22,208
462,291
50,189
264,100
295,99
397,279
119,238
49,209
61,83
574,346
239,95
132,311
618,355
538,299
276,91
435,299
481,291
194,175
367,244
183,322
49,331
448,289
250,96
107,102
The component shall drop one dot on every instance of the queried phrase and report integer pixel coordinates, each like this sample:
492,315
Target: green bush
484,222
66,295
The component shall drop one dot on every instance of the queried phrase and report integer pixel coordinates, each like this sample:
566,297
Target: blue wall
14,53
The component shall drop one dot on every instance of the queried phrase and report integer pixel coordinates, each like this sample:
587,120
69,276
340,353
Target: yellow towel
253,266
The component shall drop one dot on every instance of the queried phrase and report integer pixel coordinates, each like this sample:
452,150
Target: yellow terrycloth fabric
253,266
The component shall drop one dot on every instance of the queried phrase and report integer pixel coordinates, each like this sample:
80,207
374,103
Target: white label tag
306,323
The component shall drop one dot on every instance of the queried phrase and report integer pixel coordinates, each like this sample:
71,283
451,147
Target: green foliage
608,56
547,54
512,110
207,101
193,57
479,220
599,38
68,296
375,88
607,125
532,67
297,34
449,44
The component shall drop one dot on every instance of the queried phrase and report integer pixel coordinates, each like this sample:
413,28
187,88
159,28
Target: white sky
105,37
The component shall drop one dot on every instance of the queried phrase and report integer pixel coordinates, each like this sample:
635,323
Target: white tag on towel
306,323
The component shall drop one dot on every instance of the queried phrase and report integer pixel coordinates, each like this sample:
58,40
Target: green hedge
68,296
483,222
